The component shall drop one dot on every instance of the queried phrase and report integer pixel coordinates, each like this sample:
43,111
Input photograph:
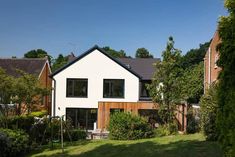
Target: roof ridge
25,58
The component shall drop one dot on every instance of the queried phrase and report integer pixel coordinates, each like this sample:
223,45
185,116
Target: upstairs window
113,88
76,88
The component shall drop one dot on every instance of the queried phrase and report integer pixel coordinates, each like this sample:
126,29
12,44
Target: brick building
211,70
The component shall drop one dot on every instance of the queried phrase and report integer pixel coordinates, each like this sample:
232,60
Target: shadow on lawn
151,149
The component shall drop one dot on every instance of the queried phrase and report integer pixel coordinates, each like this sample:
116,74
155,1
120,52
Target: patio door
83,118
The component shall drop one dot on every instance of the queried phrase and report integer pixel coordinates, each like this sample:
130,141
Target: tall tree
38,53
6,90
59,62
27,90
165,84
226,91
114,53
191,83
143,53
194,56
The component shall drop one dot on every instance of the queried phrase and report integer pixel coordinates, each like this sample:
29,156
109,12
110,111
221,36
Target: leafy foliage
23,122
226,90
191,83
38,53
126,126
143,53
165,89
167,129
194,56
24,89
209,106
27,89
59,62
192,122
6,87
114,53
17,143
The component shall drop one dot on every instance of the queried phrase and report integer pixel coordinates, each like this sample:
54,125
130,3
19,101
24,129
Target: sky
64,26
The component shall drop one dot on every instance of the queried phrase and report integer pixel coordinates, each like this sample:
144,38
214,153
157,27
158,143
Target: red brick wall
47,83
211,73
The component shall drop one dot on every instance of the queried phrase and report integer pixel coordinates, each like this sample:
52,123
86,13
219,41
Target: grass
193,145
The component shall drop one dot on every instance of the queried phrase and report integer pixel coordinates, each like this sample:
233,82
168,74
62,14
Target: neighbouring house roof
88,52
32,66
142,66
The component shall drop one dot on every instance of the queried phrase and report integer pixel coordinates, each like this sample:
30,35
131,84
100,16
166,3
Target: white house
95,85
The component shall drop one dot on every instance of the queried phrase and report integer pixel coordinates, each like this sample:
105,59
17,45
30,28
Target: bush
209,105
75,135
192,122
167,129
39,113
17,122
125,126
13,142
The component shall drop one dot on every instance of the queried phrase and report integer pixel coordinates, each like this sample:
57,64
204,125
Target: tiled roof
142,66
29,65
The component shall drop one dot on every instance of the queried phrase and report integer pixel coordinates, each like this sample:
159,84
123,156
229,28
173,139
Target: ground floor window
151,115
83,118
115,110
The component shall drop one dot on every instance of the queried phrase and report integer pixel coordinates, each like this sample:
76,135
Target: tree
191,83
27,90
5,90
165,88
38,53
143,53
114,53
59,62
226,89
208,108
195,56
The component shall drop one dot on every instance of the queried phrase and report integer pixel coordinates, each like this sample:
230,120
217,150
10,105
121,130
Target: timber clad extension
111,85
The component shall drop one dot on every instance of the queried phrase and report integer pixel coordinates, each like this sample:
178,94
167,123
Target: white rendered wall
95,67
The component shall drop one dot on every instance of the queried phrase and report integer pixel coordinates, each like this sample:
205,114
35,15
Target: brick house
211,70
39,67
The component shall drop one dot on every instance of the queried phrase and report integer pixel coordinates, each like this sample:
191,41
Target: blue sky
62,26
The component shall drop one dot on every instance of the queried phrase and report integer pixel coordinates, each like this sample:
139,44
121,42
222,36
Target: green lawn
170,146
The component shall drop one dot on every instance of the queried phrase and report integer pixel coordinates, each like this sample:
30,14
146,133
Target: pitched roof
142,66
88,52
29,65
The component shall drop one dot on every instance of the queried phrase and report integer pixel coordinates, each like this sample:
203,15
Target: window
216,59
113,88
116,110
83,118
144,93
76,88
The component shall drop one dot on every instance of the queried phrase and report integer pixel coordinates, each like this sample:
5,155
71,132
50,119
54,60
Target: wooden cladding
133,107
104,110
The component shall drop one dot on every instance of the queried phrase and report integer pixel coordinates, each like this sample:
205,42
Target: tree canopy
164,88
37,53
226,89
194,56
59,62
115,53
143,53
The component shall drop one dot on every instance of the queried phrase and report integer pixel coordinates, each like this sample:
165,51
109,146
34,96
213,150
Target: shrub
125,126
13,142
4,144
167,129
39,113
209,105
75,135
17,122
192,122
